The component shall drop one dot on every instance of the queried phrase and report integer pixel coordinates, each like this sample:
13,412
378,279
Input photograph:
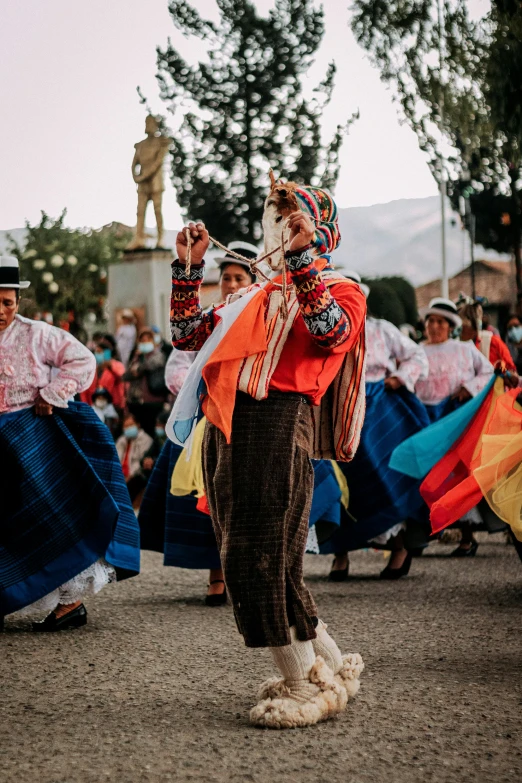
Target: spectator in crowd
147,392
514,340
132,446
109,375
104,409
163,345
137,483
126,335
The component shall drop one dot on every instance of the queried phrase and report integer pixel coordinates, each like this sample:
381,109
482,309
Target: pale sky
71,115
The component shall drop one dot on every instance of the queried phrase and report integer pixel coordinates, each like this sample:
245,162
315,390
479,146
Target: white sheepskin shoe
346,668
295,704
349,674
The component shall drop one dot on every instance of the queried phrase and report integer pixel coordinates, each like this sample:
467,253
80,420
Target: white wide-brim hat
243,249
10,273
356,277
445,308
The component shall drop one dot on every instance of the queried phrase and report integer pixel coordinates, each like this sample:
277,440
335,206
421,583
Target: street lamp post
442,173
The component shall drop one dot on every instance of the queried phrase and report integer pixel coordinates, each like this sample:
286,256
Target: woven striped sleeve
189,325
326,321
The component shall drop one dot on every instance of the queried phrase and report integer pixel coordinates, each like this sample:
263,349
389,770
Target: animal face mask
285,198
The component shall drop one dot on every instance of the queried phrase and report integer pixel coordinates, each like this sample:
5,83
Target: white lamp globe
57,261
39,263
72,260
53,288
48,277
92,268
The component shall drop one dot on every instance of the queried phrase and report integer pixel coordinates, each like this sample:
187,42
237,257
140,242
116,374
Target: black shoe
471,552
339,575
396,573
216,599
74,619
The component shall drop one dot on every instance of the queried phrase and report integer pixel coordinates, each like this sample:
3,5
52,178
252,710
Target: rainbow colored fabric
321,206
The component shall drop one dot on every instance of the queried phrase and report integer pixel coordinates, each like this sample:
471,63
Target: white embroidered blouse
36,358
453,364
389,352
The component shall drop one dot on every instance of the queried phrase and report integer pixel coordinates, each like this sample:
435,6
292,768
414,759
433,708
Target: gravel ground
157,687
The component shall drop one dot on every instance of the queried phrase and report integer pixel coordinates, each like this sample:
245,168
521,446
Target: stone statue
147,171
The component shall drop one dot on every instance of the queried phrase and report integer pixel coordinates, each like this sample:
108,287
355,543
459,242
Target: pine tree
244,111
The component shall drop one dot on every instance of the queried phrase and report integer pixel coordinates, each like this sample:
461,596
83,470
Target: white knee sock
327,648
294,661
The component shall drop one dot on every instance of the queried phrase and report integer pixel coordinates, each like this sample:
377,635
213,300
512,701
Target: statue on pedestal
147,171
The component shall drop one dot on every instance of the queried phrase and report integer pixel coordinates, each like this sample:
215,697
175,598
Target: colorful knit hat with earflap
323,209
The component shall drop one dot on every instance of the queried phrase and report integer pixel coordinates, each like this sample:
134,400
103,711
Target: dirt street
157,687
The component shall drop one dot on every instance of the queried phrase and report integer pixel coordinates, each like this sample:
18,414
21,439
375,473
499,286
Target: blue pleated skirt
65,503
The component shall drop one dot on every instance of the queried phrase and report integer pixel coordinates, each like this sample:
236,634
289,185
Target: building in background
494,280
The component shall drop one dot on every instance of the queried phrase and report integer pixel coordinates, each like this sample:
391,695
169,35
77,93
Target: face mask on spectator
157,339
515,334
160,432
99,358
101,402
145,347
131,433
107,355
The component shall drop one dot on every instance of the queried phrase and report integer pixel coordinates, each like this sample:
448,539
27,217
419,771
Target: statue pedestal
142,281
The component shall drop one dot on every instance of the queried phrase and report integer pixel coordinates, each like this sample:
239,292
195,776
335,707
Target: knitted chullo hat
321,207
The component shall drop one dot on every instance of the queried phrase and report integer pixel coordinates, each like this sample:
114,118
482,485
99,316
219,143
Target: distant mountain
398,238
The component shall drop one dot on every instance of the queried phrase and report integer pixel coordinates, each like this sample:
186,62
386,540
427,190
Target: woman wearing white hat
457,370
67,523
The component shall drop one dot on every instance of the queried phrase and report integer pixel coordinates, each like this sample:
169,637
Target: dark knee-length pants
259,490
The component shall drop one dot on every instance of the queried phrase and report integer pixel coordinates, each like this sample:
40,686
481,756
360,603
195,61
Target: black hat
10,273
242,248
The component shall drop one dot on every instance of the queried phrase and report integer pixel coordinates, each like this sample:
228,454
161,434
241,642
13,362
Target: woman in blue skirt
68,527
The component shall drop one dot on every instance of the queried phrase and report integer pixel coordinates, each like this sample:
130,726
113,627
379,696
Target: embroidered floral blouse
389,352
36,358
453,364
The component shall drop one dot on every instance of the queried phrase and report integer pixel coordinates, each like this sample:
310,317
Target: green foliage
67,267
406,294
471,97
385,302
244,112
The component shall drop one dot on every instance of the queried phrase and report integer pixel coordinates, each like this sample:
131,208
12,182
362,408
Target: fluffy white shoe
349,674
296,704
346,668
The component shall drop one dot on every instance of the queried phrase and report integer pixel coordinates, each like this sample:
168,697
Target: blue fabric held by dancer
417,455
65,506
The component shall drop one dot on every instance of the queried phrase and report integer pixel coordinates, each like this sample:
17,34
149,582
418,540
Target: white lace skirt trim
391,533
84,585
312,543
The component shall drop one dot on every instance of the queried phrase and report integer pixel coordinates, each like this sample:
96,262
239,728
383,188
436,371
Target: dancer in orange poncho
265,382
